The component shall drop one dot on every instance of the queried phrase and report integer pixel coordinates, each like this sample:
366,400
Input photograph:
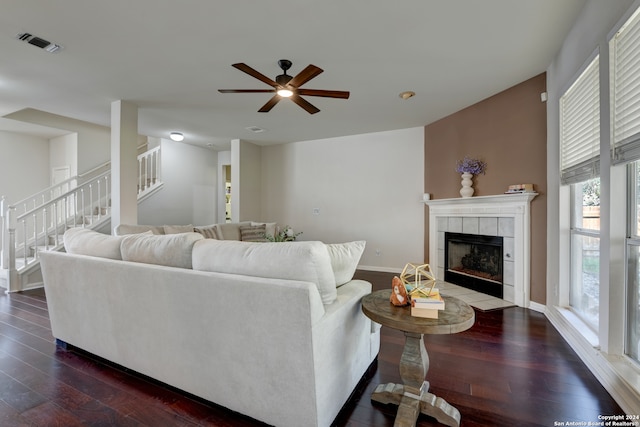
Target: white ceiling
171,57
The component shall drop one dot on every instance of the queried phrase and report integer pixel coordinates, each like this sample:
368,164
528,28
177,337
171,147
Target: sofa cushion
230,230
253,233
177,229
344,259
83,241
173,250
305,261
123,229
208,231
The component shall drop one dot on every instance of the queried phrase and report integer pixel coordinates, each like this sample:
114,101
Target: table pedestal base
410,405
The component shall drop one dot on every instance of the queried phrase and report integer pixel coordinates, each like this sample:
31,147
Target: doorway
226,173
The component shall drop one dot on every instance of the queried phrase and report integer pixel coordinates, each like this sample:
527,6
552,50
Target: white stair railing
148,170
38,222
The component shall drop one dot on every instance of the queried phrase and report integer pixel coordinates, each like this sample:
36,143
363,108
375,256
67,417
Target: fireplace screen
475,262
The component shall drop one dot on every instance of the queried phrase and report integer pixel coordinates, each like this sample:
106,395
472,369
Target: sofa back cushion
344,259
304,261
230,230
83,241
173,250
123,229
176,229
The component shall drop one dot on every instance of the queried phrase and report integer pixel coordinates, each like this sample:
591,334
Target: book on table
427,305
428,313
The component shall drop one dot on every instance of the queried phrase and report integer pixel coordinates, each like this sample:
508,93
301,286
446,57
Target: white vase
467,189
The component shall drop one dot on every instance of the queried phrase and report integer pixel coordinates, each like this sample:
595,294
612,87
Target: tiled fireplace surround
506,215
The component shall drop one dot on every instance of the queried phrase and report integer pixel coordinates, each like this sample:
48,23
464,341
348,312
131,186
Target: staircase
38,222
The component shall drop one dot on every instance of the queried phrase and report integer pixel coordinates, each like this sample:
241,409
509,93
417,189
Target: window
633,265
625,137
584,291
580,127
580,164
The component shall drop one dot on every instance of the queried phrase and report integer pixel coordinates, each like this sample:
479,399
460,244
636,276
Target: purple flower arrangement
469,165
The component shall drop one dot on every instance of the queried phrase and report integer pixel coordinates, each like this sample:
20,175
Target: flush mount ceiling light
176,136
408,94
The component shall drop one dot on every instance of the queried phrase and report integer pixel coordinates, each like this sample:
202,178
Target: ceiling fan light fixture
176,136
285,93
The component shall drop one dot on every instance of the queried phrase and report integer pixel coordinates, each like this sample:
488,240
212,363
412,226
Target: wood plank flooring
512,368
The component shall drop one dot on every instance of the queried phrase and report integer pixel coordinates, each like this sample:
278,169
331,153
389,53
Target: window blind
580,127
625,91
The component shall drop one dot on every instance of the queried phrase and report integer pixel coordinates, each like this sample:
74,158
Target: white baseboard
535,306
381,269
616,376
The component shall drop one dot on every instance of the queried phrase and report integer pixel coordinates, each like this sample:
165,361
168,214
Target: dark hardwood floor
512,368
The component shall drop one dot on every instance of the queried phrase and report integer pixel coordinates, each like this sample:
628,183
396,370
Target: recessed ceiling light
176,136
254,129
408,94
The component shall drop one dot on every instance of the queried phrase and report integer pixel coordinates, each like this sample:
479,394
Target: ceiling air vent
39,42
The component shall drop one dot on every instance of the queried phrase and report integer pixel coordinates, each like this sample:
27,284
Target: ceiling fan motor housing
283,79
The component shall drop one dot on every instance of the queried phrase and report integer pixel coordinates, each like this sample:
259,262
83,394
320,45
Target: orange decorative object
399,295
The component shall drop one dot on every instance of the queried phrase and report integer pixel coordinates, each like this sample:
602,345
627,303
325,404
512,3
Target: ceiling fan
286,86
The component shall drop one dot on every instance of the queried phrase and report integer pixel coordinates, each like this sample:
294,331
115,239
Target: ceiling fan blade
253,73
324,93
304,104
246,90
305,75
270,104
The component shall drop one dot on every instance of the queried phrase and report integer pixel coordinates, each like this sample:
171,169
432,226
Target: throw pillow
304,261
344,259
176,229
208,231
83,241
271,228
173,250
253,233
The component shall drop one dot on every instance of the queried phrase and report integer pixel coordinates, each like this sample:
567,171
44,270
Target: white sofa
245,328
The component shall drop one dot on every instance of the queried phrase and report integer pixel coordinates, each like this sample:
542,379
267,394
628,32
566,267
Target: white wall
364,187
94,141
189,194
63,152
24,165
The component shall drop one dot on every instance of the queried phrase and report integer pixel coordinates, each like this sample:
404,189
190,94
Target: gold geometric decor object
418,279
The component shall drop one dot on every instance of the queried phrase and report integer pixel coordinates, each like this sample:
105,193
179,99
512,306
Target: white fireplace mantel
506,215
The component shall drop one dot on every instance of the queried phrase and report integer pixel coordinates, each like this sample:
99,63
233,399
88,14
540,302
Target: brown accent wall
509,132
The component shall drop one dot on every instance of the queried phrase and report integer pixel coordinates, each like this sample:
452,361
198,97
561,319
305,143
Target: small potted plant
285,235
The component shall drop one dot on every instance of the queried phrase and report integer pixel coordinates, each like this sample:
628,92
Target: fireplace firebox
475,262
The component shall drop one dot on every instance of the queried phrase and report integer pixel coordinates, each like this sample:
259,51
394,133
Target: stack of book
427,306
519,188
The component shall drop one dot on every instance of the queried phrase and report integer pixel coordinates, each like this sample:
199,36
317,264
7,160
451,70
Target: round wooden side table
413,397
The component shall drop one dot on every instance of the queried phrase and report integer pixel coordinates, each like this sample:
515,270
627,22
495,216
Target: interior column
124,163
